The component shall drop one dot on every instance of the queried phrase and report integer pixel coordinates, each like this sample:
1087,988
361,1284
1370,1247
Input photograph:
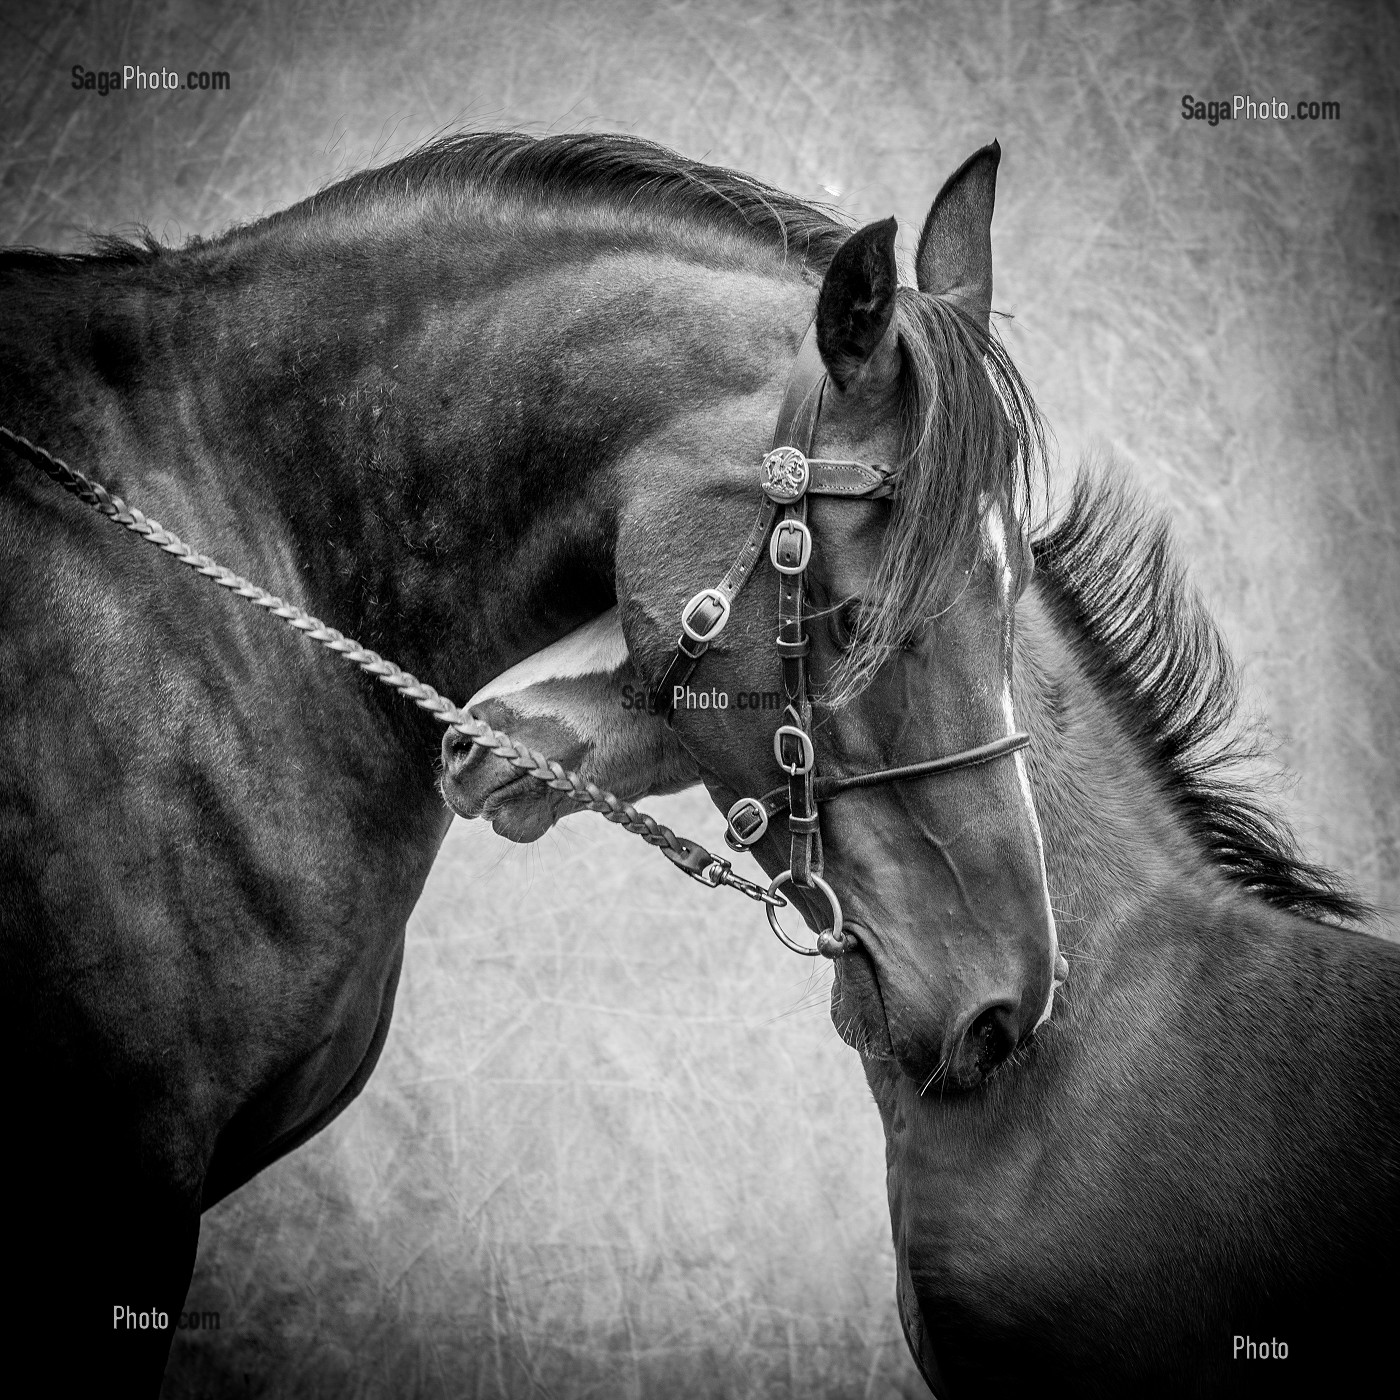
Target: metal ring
705,595
785,475
809,754
747,803
804,551
831,935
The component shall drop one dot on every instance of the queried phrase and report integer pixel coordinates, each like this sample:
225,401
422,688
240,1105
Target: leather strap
851,480
802,403
751,552
796,426
826,788
968,758
797,421
793,645
688,652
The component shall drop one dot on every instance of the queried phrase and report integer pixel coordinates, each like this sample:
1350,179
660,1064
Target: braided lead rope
688,856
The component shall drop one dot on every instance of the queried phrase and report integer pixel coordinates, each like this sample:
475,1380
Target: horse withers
458,407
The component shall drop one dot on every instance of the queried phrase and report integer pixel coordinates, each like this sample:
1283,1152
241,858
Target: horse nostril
990,1038
456,747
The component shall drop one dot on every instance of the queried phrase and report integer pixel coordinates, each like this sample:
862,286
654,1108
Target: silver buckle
785,475
705,595
831,942
790,535
748,837
809,754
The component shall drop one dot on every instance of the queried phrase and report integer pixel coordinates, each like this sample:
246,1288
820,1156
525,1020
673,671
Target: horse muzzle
475,783
857,1008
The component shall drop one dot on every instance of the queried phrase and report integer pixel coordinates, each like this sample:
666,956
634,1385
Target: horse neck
1114,844
412,434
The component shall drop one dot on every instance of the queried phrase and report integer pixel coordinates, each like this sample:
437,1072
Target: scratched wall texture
614,1148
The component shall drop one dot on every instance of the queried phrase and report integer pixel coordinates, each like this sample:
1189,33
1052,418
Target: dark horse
457,407
1195,1168
1189,1184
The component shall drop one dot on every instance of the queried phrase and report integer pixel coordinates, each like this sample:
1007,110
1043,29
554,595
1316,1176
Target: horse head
910,598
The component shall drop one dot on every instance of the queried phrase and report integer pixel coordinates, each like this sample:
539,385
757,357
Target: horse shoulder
162,878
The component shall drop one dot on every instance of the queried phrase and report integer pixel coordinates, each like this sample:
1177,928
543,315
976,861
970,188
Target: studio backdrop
614,1147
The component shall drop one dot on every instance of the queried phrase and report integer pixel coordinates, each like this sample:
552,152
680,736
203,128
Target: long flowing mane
971,433
1112,582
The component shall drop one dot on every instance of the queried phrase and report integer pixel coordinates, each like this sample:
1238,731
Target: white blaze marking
598,648
994,528
994,531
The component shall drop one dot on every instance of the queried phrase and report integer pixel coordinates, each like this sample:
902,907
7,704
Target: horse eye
845,623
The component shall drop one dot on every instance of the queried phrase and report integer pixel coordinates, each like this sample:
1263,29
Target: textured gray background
614,1147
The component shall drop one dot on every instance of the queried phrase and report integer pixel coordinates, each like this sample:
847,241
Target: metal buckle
790,549
740,837
785,475
708,634
714,871
809,754
831,942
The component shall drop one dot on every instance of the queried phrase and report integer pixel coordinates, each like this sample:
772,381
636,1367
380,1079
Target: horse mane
635,180
970,433
140,249
1107,571
638,181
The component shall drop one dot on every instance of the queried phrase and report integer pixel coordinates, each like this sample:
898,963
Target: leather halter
788,477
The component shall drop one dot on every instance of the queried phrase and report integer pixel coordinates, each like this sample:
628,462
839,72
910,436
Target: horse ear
954,260
856,307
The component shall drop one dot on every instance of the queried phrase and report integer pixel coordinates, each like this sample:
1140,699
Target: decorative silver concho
785,475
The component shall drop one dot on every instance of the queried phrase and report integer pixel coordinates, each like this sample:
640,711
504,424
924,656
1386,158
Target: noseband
788,476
